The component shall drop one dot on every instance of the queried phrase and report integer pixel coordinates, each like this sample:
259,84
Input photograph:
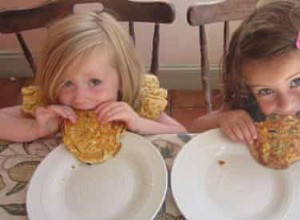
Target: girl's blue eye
295,83
95,82
265,92
67,84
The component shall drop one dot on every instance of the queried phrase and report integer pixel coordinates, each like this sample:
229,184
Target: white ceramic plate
214,178
132,185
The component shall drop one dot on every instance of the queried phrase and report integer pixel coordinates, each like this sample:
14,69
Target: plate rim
220,136
163,177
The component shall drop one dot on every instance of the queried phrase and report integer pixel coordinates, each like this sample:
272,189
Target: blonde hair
72,38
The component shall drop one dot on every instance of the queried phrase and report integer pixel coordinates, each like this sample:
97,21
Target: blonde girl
88,62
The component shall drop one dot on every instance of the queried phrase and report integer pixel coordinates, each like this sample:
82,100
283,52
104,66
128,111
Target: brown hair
269,32
72,38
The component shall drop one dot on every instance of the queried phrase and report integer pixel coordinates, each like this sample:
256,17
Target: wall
179,46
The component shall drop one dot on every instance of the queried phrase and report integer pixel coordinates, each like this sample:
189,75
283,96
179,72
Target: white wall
179,43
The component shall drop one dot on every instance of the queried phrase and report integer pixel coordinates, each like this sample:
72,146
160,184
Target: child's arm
16,127
165,124
121,111
206,122
236,124
209,121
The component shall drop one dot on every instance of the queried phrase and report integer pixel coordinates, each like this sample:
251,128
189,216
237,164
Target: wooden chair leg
205,72
26,51
155,50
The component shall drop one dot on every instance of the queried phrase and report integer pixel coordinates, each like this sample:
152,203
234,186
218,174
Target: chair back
203,14
156,12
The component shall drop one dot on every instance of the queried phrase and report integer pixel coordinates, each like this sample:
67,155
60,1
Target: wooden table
19,160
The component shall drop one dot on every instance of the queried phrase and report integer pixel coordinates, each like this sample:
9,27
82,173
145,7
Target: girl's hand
238,126
49,118
118,111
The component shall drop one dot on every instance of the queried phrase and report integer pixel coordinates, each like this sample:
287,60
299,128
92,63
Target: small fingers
111,111
247,135
250,131
243,131
103,109
65,112
233,133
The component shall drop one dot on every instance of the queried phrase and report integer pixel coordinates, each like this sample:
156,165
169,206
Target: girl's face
276,84
90,82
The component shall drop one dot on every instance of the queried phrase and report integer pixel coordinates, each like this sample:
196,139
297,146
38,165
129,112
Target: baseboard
186,77
179,77
13,64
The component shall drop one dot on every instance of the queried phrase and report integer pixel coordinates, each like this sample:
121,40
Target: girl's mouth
84,107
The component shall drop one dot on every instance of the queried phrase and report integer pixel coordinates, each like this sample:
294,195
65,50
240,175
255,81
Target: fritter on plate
278,142
90,141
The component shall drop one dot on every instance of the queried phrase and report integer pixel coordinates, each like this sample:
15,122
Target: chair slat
200,15
155,50
205,76
131,31
26,51
16,21
217,12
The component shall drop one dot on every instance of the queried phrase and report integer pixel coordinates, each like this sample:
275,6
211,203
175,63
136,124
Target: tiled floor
9,94
185,106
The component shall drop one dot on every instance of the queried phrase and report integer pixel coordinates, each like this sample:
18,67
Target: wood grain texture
18,20
202,14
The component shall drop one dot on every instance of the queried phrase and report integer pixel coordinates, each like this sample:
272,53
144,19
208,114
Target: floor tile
9,94
181,98
187,115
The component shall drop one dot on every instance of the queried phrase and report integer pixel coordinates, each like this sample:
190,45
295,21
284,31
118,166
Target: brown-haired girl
261,72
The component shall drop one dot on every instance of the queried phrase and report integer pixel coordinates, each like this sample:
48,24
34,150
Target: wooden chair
202,15
17,21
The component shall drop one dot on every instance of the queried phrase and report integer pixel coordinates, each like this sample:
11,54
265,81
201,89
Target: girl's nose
79,95
286,104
